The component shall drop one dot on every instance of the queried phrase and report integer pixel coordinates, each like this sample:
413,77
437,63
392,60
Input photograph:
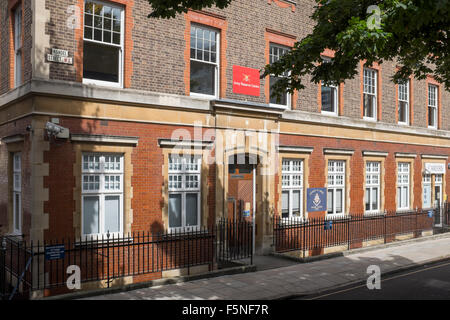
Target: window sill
202,96
406,124
281,106
337,216
329,113
369,119
374,213
99,83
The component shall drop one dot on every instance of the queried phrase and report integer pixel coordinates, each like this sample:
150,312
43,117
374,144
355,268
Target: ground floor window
102,194
292,189
17,192
426,193
403,180
336,187
184,192
372,193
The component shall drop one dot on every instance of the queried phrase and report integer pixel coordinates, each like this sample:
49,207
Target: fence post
348,232
107,256
384,218
3,269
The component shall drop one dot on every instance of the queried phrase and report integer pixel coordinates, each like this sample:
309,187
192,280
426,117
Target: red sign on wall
246,81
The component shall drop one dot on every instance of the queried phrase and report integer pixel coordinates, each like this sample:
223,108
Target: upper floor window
370,94
330,96
184,192
18,46
372,196
102,193
403,102
432,105
336,187
103,44
204,78
292,189
275,53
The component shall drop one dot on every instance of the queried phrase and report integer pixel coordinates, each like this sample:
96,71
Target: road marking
387,279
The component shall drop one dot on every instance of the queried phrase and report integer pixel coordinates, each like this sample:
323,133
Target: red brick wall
147,180
17,127
317,174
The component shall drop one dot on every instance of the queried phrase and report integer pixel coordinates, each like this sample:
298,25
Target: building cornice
104,139
341,121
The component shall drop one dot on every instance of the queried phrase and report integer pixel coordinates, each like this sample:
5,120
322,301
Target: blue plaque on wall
316,199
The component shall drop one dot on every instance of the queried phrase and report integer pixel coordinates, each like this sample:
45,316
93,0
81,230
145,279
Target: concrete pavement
298,279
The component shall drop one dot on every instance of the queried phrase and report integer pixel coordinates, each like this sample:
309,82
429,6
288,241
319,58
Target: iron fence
142,255
318,233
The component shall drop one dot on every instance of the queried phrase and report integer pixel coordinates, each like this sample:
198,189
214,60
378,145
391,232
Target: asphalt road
430,282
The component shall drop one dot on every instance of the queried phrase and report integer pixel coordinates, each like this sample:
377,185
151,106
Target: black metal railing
318,233
234,240
44,266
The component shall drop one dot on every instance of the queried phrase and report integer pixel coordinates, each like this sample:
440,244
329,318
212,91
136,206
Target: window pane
100,62
405,197
369,102
339,201
281,100
427,196
402,111
17,211
91,215
203,78
191,209
367,197
431,116
174,210
296,203
112,214
328,99
285,204
375,199
330,201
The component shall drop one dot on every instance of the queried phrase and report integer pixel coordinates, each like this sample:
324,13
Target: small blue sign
328,225
246,213
55,252
430,214
316,199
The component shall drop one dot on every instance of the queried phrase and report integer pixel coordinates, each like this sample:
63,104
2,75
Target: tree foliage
413,33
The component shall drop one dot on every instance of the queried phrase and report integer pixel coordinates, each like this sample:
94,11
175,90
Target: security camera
57,131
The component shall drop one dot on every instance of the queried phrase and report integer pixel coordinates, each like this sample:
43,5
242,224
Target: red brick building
124,88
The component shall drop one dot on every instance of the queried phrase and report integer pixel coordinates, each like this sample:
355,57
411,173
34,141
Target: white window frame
216,64
403,182
433,96
17,191
18,46
102,192
373,182
335,88
403,96
426,182
180,169
438,181
332,185
121,46
370,87
288,104
289,176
